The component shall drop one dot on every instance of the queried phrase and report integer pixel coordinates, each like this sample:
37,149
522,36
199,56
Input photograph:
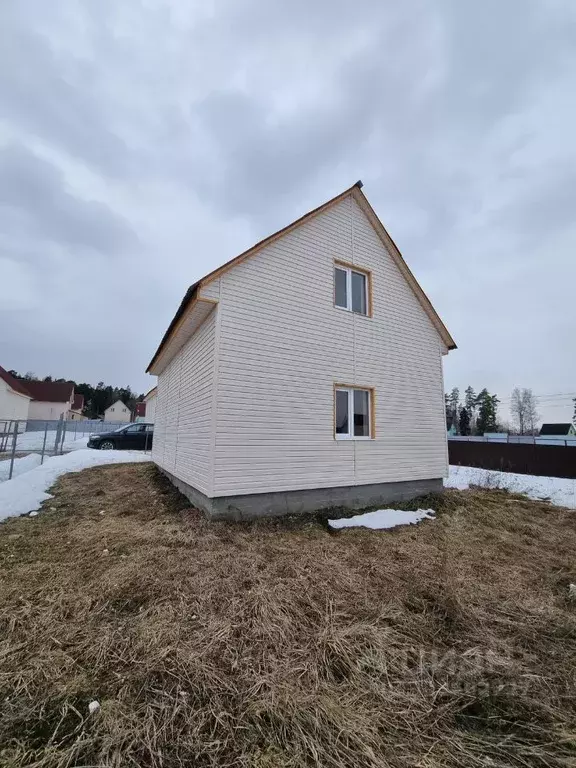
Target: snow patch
26,492
560,491
20,465
383,518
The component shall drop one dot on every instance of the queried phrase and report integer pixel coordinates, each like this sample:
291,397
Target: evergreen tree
470,405
448,410
454,402
487,412
574,416
464,425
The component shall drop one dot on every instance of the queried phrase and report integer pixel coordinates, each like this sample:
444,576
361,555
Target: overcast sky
144,142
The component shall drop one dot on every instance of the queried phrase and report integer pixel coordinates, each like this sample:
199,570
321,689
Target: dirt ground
279,643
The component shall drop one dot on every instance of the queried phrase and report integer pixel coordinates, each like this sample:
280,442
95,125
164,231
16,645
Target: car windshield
119,429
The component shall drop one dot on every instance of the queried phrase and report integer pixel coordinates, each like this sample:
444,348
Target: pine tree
464,422
454,402
487,412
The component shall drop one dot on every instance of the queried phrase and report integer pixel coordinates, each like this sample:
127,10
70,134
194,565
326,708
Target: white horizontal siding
211,291
282,347
183,427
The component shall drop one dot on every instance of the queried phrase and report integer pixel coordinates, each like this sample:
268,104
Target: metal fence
515,439
20,438
525,459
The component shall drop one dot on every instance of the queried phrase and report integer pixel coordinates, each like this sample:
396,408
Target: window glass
342,412
340,288
359,292
361,413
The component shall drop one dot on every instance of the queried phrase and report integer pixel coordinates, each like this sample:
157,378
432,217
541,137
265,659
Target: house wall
282,347
117,412
183,428
13,405
151,409
40,409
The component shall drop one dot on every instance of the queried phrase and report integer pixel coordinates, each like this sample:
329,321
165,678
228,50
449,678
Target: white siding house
118,411
150,400
306,373
14,400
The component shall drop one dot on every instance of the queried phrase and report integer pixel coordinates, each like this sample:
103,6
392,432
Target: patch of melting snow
558,490
384,518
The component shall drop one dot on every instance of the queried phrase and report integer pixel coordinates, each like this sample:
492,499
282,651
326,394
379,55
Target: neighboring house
150,400
306,373
75,412
50,399
140,412
118,411
14,398
557,430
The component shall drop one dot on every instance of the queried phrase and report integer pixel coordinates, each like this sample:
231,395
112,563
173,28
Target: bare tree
523,409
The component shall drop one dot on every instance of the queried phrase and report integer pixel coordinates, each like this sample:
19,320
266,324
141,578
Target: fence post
65,424
58,433
14,439
44,442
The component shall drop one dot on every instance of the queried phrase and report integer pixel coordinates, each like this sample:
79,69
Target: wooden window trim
362,271
371,406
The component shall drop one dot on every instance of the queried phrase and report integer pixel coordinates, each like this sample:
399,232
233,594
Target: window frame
348,268
350,389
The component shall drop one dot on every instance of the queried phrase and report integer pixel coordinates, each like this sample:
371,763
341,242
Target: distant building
150,400
118,411
75,412
14,398
140,412
557,430
50,399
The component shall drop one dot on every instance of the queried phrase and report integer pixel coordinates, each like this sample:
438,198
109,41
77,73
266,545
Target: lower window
353,413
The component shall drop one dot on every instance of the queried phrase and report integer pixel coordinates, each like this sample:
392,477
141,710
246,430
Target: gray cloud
34,200
202,131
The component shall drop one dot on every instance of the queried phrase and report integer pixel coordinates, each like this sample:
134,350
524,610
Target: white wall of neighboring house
118,411
247,404
13,405
42,410
151,407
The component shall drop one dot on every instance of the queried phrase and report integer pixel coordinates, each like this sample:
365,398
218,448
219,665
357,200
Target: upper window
353,413
351,289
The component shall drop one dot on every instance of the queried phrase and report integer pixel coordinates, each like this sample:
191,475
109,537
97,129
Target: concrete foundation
246,507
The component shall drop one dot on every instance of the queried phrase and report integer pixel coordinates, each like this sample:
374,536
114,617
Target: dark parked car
133,437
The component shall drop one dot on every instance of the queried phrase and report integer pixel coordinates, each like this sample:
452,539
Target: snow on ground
26,492
20,465
383,518
32,441
560,491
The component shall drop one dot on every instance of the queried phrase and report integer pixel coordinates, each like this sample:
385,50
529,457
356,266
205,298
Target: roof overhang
190,316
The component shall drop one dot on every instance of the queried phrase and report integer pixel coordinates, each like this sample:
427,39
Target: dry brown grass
280,644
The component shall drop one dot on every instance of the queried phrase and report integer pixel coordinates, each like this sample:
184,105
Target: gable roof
50,391
13,383
555,429
116,403
150,394
356,192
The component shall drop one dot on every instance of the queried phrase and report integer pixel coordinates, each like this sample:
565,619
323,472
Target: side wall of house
183,418
40,409
283,345
12,404
150,410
